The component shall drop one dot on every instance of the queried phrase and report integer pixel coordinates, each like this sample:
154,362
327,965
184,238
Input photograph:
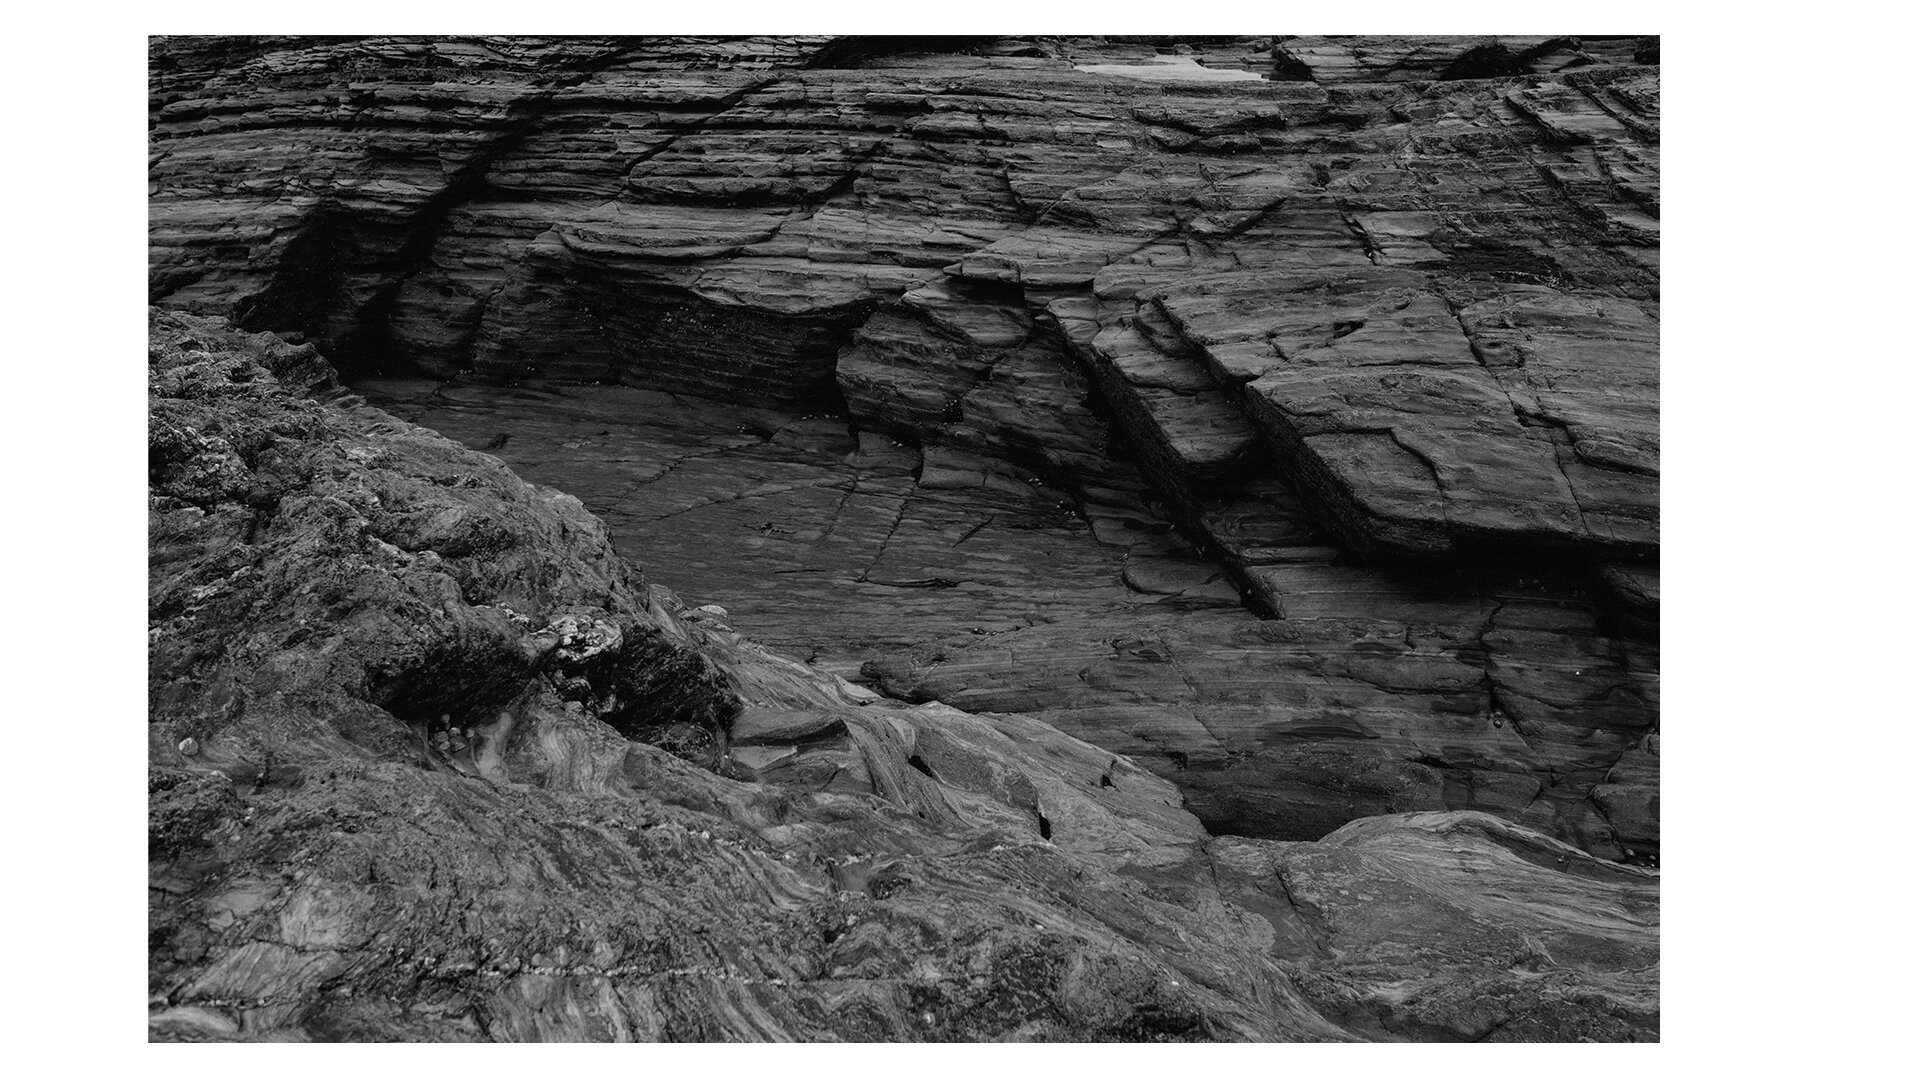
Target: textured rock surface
430,761
1033,358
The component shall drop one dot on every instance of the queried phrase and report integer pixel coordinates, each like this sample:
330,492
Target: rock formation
1068,447
430,761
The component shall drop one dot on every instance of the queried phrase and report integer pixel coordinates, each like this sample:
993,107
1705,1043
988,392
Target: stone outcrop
1279,413
430,761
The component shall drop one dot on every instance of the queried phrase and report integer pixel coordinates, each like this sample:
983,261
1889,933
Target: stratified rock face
429,761
1282,414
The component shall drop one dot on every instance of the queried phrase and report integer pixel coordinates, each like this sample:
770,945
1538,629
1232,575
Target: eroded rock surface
1282,412
1274,372
429,761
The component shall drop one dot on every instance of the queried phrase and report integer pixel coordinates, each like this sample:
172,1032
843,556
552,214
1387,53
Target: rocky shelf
1170,531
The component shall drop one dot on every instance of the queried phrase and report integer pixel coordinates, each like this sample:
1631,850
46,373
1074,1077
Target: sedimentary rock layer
430,761
1280,412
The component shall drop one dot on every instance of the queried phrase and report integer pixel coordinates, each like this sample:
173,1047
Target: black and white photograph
892,538
1031,531
911,542
868,542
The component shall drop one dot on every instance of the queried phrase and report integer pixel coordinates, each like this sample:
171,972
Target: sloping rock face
430,761
1281,413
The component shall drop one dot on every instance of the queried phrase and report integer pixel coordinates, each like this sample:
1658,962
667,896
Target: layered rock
1036,358
430,761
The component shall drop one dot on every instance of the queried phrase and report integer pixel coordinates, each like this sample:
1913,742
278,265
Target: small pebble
189,746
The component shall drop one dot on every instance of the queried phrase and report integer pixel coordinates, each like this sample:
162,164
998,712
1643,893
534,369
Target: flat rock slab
757,724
